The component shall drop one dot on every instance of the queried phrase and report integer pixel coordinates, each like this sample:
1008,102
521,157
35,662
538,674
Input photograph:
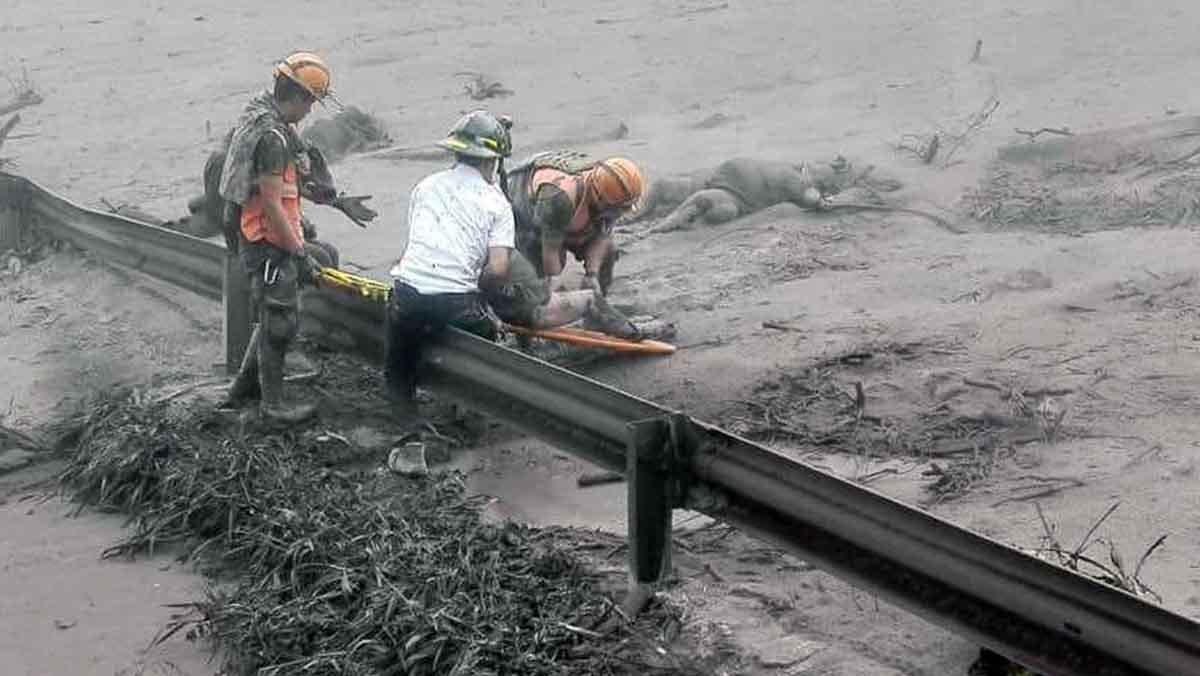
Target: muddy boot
245,387
270,377
402,410
606,319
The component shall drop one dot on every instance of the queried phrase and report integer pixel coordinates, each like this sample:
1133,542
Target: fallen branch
8,126
978,52
866,479
1008,391
1033,134
781,327
974,123
969,445
599,479
1044,492
863,206
701,10
1144,455
24,99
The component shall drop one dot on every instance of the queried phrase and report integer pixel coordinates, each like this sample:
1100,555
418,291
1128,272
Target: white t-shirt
453,217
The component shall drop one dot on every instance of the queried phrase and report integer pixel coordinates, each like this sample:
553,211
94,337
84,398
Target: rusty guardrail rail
1041,615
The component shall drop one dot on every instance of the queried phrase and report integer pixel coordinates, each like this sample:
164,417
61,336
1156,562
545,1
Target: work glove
309,230
353,207
319,193
499,326
591,283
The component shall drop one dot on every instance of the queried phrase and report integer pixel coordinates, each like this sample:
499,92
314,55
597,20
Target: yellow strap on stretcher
362,286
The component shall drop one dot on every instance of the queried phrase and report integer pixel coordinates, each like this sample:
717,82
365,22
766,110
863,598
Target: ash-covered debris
330,568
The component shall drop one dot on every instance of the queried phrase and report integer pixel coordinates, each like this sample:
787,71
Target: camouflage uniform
543,216
275,274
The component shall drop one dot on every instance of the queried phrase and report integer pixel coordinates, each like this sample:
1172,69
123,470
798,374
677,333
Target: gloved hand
554,283
309,230
591,283
352,206
318,192
499,326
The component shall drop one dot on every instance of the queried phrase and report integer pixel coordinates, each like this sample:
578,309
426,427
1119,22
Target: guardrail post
655,476
12,219
235,298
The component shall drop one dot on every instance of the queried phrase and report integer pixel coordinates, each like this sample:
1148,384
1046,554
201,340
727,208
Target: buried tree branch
1033,134
928,147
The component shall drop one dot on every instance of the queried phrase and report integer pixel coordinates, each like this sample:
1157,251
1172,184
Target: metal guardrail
1043,616
187,262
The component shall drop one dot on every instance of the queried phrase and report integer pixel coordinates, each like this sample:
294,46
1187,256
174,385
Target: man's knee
281,325
514,304
275,296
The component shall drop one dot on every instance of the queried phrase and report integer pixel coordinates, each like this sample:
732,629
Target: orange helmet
307,70
617,182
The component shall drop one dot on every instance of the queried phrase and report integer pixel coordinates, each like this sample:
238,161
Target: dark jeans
412,319
521,298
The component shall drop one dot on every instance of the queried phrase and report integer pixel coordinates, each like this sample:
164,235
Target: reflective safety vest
574,186
254,216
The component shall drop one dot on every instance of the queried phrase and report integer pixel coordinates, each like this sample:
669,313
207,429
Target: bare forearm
593,257
497,269
552,259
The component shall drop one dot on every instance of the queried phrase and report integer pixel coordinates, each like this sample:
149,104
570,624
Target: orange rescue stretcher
380,292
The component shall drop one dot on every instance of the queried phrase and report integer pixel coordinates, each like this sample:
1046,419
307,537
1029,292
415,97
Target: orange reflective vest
581,220
254,217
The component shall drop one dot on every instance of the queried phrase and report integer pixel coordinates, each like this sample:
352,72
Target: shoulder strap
566,161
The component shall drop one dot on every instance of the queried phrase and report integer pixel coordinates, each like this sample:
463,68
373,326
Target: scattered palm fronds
325,571
817,406
1116,572
959,477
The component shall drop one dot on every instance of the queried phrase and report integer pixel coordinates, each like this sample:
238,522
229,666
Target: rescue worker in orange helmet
261,183
564,203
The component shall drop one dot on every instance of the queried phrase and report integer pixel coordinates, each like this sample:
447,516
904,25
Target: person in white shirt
460,237
460,258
